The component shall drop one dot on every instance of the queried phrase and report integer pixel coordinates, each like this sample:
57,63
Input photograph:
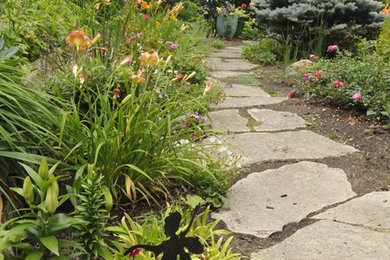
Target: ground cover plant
119,122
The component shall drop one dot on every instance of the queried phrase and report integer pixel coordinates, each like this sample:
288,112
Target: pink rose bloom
341,84
357,96
312,57
307,76
146,16
332,48
318,74
292,93
303,64
253,20
336,83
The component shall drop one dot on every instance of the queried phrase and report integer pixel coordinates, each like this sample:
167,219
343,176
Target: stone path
344,226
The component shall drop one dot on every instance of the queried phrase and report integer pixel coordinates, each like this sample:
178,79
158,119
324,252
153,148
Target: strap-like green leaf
50,243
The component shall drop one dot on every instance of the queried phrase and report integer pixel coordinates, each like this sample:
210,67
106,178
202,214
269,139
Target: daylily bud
168,59
51,199
55,187
43,170
126,99
95,40
28,192
191,75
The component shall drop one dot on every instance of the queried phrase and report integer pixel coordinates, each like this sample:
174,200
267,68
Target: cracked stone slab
272,120
264,202
229,120
328,240
239,102
299,145
228,73
239,90
371,210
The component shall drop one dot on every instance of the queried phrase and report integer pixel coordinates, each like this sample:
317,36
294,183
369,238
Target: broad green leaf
50,243
36,255
193,200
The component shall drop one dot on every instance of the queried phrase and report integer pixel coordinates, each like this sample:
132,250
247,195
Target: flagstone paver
236,102
221,74
238,90
218,64
329,240
371,210
264,202
276,120
229,120
300,145
228,54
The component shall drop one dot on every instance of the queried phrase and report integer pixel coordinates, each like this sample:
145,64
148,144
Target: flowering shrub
361,83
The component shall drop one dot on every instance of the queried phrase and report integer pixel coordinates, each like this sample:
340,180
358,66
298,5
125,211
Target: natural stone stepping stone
264,202
238,90
229,120
227,73
304,144
237,102
328,240
371,210
228,54
233,65
276,120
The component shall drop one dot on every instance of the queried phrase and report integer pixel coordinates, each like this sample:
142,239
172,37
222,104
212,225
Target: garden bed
367,170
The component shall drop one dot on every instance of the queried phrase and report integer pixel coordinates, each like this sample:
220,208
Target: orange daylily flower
79,40
209,86
144,5
149,59
157,24
137,78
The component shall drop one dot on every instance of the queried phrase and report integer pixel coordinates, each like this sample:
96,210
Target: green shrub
263,52
308,26
251,31
383,45
35,25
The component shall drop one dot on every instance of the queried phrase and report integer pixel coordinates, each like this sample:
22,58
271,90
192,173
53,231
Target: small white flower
183,141
238,165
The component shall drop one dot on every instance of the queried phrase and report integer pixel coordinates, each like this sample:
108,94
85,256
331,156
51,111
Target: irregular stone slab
238,90
229,120
264,202
371,210
328,240
237,102
232,65
228,54
226,73
304,144
276,120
